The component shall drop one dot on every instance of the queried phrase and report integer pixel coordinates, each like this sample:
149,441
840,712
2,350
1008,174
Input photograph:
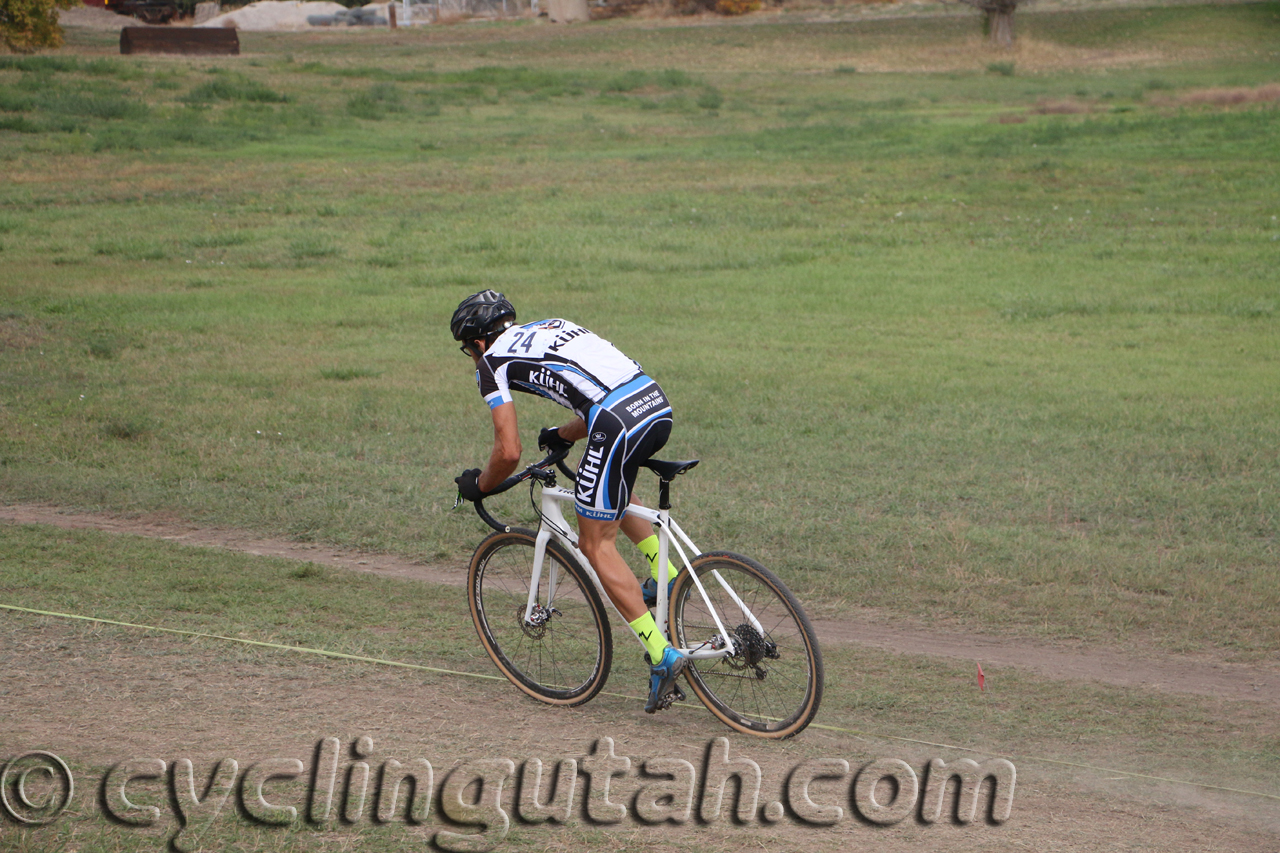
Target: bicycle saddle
669,470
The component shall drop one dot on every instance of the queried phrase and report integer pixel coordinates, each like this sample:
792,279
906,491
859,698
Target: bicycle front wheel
562,652
771,685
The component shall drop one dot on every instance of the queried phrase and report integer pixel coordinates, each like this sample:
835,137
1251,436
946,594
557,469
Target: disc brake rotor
538,623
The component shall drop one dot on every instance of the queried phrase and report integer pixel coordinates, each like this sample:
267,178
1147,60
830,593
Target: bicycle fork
535,583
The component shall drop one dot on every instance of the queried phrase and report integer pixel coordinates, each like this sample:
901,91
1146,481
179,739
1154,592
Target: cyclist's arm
506,447
574,430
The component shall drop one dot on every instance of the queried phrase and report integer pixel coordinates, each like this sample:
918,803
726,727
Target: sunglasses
469,350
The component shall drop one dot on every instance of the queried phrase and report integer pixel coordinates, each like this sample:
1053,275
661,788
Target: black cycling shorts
623,431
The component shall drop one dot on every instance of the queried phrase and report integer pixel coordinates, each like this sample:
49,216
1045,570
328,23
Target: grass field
993,347
978,340
981,339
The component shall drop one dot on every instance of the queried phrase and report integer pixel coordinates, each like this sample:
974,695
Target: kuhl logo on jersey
564,338
589,475
547,379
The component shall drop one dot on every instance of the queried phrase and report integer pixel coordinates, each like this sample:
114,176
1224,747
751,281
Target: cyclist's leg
601,498
645,420
621,436
598,540
636,529
665,662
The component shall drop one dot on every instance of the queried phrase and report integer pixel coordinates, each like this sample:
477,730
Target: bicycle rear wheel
772,685
562,654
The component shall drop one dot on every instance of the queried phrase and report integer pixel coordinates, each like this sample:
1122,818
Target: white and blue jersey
628,416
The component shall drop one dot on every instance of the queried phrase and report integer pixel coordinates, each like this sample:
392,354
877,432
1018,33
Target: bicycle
539,610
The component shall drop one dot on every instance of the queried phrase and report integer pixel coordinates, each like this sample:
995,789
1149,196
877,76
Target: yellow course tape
421,667
261,643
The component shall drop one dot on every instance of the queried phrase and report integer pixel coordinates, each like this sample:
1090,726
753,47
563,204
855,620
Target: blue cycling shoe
650,591
662,680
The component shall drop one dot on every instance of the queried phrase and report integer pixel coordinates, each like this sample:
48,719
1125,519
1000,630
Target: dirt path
96,696
1200,675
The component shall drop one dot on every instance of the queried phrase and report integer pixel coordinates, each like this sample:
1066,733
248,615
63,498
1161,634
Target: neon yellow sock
649,547
649,634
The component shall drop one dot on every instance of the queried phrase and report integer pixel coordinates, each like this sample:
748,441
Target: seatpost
663,606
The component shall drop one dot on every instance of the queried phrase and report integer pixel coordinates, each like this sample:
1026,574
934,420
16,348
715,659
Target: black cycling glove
469,484
551,440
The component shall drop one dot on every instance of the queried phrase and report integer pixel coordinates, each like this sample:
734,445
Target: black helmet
481,314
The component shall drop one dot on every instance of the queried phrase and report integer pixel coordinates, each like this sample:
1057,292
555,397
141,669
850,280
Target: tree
999,24
28,25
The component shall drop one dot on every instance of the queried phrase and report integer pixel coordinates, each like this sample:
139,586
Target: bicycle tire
772,685
563,660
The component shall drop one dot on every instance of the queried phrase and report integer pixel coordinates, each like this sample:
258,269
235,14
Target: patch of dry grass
1231,96
1066,107
974,53
18,333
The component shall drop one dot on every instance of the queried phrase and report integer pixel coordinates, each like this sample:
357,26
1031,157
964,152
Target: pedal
676,695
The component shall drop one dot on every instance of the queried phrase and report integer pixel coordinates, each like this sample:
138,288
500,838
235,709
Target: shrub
28,25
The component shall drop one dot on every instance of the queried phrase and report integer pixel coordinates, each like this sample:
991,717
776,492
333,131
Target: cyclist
625,418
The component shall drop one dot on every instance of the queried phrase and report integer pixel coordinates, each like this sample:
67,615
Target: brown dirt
97,695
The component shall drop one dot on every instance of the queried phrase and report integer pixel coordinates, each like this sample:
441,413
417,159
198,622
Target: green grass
209,591
1016,376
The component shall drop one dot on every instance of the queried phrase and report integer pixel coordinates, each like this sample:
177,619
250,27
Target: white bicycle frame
554,525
